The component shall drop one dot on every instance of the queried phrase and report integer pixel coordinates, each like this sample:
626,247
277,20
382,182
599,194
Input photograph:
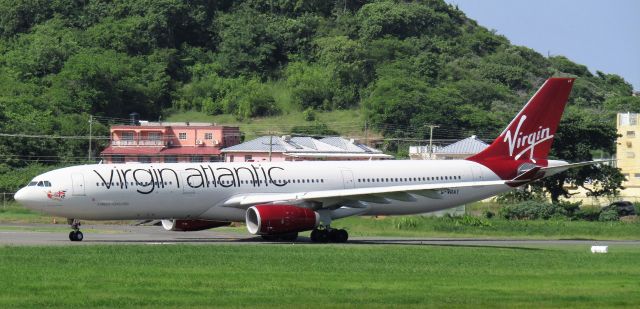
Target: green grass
291,276
13,212
346,122
417,226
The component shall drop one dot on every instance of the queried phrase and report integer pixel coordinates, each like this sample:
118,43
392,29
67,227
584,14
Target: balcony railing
139,143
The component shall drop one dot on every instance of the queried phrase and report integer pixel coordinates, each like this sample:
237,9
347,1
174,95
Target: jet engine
280,219
191,225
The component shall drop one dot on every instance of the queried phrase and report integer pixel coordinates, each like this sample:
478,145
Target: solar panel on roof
295,145
363,147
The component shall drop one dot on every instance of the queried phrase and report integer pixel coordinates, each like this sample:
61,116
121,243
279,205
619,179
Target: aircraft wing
375,194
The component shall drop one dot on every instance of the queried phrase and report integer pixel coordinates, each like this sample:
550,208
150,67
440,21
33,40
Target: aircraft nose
26,199
20,196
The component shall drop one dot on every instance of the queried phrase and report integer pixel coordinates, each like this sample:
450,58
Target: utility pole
366,133
90,134
431,140
270,144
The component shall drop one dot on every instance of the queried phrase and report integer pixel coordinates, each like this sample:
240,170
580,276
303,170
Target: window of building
248,158
215,159
631,155
144,159
231,158
182,135
196,159
155,136
628,119
170,159
127,136
208,136
631,134
117,159
636,175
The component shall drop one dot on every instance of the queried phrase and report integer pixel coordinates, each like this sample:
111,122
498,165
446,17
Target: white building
459,150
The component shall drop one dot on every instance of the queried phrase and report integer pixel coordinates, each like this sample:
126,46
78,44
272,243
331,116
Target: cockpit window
41,183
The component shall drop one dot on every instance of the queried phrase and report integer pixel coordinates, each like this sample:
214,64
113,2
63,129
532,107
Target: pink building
287,148
169,142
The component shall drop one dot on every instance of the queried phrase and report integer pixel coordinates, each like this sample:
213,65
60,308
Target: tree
110,83
579,134
43,51
562,64
403,19
311,85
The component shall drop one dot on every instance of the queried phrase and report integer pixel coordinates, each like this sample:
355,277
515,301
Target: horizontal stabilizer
552,170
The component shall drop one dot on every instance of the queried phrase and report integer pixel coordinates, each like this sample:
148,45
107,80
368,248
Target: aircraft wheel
333,235
314,235
341,236
76,236
323,236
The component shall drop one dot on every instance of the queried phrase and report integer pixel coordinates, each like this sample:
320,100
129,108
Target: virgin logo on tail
520,142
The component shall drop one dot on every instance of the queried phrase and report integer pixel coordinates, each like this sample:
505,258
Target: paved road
49,234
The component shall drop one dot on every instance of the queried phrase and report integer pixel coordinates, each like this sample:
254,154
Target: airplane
277,200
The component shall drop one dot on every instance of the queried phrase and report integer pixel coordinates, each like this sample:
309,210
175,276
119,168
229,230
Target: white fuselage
199,190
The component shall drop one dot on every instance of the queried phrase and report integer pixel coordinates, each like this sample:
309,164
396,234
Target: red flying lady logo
57,196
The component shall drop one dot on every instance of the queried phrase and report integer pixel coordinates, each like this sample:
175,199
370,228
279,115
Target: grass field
418,226
317,276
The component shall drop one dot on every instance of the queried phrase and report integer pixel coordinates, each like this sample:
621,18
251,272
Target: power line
78,137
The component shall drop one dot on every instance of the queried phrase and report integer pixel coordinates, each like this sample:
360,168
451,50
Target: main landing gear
75,235
327,234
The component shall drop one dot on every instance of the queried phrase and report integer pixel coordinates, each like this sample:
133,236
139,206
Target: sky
603,35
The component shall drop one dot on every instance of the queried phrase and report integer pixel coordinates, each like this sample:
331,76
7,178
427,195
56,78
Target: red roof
161,151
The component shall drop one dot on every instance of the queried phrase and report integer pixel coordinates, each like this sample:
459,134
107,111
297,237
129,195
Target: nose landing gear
75,235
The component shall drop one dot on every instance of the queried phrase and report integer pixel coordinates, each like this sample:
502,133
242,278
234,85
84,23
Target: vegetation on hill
402,64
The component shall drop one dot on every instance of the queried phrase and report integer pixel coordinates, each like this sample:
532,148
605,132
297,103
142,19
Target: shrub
517,196
405,223
588,213
570,208
467,220
488,214
609,215
531,210
309,114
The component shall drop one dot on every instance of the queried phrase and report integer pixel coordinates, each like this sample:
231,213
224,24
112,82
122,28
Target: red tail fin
528,138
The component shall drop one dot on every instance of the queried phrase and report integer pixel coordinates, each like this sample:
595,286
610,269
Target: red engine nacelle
280,219
191,225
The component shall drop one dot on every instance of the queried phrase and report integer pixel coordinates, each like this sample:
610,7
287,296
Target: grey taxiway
56,235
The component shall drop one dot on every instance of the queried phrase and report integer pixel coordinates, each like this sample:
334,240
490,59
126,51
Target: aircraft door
77,184
186,186
477,173
347,178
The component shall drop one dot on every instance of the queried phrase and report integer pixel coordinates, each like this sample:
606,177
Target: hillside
397,65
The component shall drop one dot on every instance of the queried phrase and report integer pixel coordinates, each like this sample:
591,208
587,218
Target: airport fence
6,198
